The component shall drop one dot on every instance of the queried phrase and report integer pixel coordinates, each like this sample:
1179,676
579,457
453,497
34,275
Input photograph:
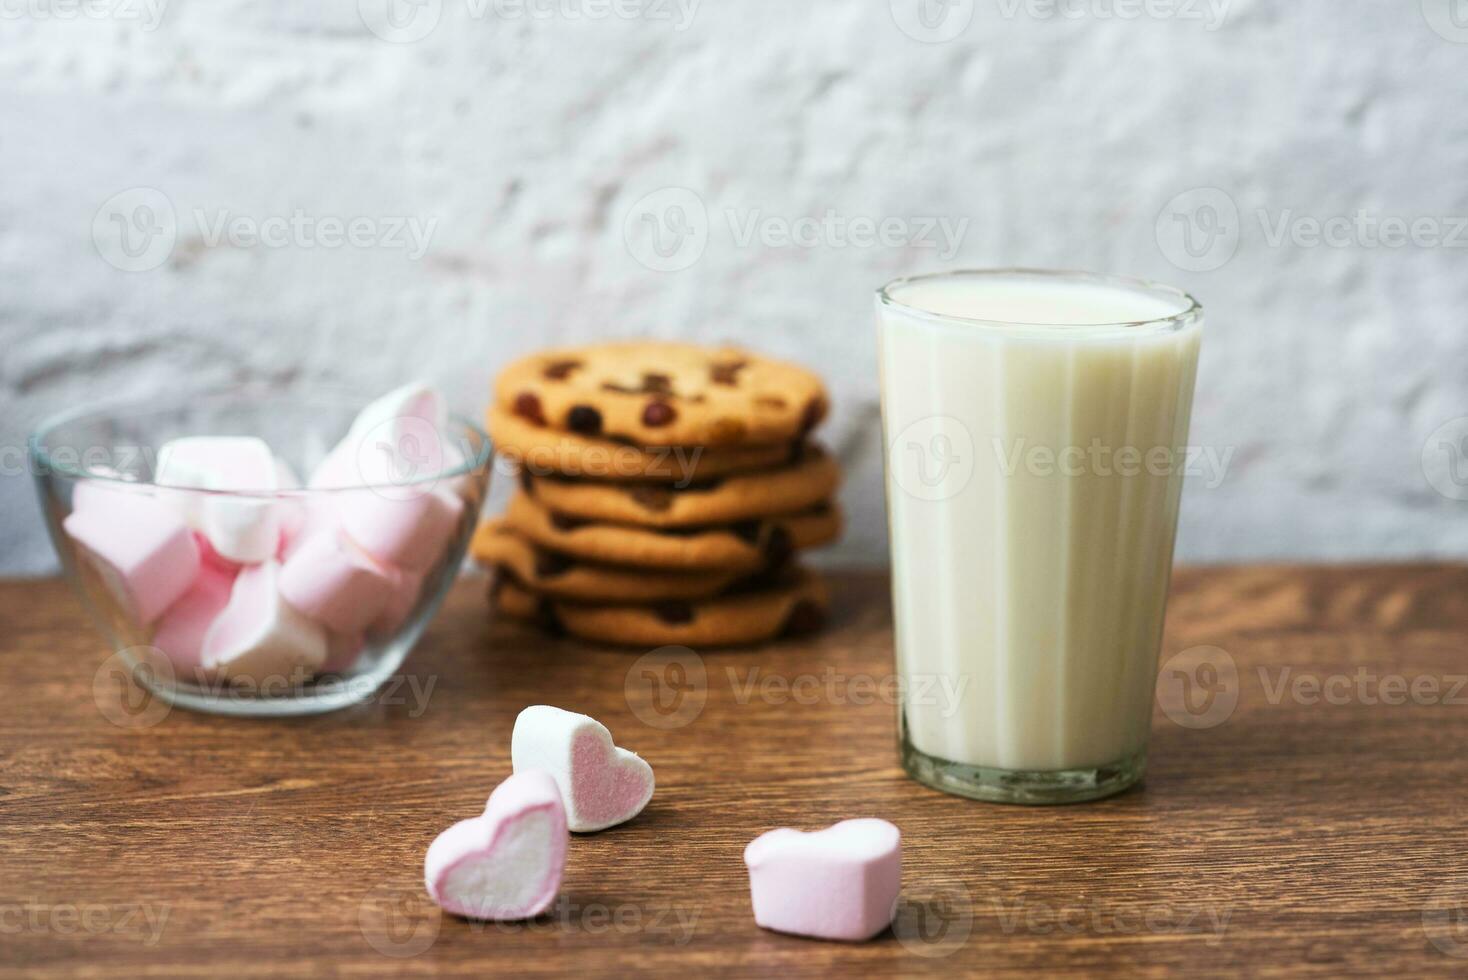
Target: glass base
1034,787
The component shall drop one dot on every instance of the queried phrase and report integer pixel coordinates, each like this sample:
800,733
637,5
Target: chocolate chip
815,410
675,613
806,617
652,383
725,372
797,452
747,531
652,498
527,482
770,401
658,414
565,522
560,370
778,546
585,420
527,406
549,564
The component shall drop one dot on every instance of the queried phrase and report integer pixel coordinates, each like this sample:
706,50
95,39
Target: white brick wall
525,138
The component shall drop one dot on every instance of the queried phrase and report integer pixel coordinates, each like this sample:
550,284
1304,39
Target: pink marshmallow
505,865
342,651
602,785
407,586
259,635
337,470
837,883
182,629
401,432
212,558
142,551
411,533
241,528
334,583
112,482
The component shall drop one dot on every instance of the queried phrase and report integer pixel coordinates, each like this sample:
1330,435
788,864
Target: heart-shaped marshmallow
412,532
407,587
837,883
602,785
506,864
142,552
241,528
335,583
342,651
184,625
259,637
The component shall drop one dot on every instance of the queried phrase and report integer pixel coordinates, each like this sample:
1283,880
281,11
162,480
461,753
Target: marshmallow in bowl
407,587
408,421
410,533
183,627
246,582
392,506
334,582
259,635
142,552
342,650
240,528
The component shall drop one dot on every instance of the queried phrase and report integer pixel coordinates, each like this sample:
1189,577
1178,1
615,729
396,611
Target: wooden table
1283,836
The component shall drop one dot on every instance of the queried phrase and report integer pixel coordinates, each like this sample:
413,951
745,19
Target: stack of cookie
665,491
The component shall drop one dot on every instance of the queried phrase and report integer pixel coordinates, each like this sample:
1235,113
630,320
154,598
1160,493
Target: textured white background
526,137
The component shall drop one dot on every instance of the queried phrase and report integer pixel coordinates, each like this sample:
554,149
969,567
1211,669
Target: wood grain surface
1309,815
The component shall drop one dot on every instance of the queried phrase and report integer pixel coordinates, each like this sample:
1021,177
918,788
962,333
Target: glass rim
1191,311
46,461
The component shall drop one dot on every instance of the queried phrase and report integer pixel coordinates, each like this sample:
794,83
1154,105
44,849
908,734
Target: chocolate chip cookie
542,571
541,451
743,546
793,605
724,500
664,393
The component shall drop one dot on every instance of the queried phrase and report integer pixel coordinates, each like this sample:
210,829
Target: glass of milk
1035,425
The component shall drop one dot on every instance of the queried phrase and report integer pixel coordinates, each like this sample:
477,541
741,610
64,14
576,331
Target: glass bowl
199,618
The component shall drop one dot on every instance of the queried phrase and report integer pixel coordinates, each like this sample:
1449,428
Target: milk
1031,531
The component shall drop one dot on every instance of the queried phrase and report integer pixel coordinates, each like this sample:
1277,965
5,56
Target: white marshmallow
240,528
259,635
602,785
335,583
